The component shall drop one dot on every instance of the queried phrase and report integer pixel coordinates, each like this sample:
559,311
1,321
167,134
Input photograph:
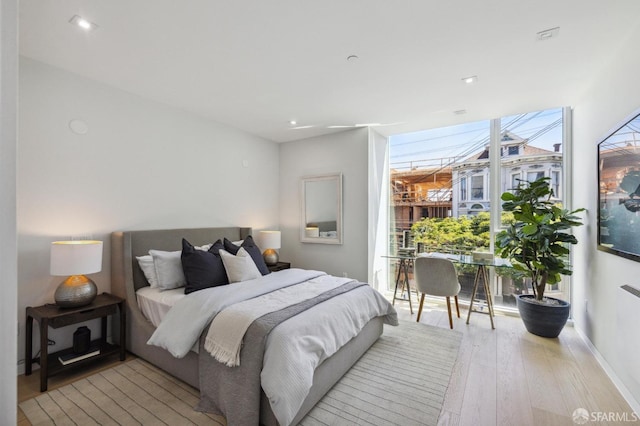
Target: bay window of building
555,183
515,180
531,176
463,189
477,187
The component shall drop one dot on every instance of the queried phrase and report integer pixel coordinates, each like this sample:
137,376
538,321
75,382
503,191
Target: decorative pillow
240,267
254,251
205,247
168,269
230,247
149,270
202,269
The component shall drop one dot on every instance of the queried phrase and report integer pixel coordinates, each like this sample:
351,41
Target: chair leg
449,311
457,307
420,308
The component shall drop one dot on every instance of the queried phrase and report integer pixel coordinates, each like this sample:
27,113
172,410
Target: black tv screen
619,190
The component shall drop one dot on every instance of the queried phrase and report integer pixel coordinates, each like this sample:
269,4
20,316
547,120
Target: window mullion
494,177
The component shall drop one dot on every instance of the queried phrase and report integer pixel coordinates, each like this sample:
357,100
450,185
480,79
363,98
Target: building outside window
555,183
515,180
531,176
477,187
452,169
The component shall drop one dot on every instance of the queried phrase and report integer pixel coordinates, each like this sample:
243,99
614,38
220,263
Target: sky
544,128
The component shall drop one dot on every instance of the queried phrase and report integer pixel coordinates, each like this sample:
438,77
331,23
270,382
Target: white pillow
149,269
168,266
205,247
240,267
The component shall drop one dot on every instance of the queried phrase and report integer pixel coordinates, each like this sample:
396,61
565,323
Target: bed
127,278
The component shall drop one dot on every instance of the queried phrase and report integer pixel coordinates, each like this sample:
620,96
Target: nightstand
279,266
51,315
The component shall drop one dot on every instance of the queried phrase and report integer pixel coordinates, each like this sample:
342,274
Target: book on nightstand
74,357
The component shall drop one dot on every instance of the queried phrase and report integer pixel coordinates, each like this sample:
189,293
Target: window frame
556,183
537,173
515,177
482,188
463,188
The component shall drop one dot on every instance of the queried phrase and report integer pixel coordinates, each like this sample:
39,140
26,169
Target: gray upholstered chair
437,277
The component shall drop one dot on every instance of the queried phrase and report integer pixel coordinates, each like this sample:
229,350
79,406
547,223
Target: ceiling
256,64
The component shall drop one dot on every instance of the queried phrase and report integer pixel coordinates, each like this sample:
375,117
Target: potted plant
536,243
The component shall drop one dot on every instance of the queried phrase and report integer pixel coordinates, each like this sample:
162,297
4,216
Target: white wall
344,152
8,307
141,165
597,275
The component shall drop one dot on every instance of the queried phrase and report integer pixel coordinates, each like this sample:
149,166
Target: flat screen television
619,190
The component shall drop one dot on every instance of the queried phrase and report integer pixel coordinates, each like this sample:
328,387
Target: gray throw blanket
234,392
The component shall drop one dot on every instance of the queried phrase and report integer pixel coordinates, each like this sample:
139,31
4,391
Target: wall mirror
321,209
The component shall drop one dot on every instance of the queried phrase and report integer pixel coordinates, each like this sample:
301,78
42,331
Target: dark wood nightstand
51,315
279,266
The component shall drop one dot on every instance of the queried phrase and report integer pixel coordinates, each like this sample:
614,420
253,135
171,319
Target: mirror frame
337,177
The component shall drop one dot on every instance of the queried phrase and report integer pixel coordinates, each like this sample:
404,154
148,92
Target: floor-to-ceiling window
441,196
534,145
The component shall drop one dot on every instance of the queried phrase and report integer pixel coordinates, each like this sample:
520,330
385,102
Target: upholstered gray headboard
127,277
125,246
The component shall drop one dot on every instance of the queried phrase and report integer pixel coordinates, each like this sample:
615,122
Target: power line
514,123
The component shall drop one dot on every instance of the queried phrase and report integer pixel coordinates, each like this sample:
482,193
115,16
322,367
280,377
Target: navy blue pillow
202,269
254,251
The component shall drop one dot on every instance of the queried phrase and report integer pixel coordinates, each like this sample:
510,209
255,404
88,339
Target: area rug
402,379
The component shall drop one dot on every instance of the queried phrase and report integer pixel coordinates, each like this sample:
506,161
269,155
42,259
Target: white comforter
295,347
227,330
180,329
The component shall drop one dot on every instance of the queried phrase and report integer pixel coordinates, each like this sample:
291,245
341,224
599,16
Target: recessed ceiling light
83,23
547,34
460,112
293,122
471,79
352,58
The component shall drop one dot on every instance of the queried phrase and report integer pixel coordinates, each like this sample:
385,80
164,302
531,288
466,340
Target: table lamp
312,232
270,240
74,259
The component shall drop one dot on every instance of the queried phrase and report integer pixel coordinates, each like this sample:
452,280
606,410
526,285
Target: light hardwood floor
505,376
508,376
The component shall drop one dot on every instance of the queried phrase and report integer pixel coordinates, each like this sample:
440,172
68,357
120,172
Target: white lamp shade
312,231
76,257
269,240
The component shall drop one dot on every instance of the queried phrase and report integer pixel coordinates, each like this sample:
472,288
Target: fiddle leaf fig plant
536,242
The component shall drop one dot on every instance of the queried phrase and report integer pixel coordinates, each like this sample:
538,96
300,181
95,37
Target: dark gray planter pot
543,320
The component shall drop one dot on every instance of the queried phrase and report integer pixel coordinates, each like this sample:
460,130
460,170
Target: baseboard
626,394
